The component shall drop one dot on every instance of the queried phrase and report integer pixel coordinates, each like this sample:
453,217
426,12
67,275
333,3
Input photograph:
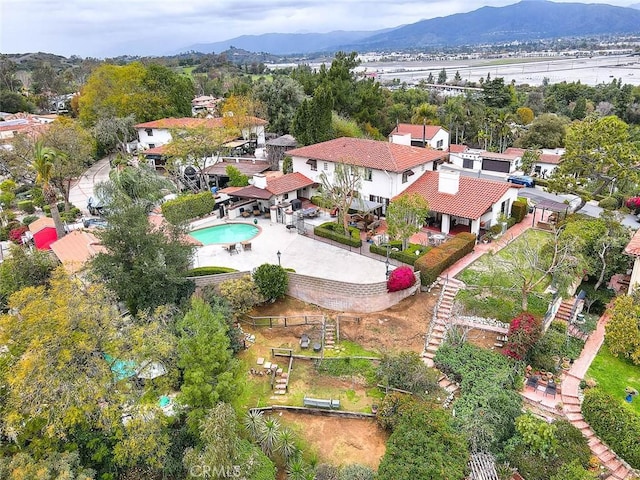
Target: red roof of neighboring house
369,154
275,186
39,224
417,131
457,148
550,158
190,122
633,248
76,248
44,237
160,150
500,156
475,195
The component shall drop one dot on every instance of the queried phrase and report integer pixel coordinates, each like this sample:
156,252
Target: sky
102,28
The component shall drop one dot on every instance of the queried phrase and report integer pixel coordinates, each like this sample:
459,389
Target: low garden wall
331,294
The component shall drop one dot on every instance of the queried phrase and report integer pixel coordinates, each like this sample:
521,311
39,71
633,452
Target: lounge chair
551,388
532,382
304,341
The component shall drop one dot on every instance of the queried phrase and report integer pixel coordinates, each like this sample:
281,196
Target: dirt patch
399,328
485,339
339,441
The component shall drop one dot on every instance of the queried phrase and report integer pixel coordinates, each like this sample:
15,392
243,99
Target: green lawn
614,374
493,286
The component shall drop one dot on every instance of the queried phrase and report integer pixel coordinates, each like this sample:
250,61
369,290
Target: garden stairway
329,334
440,320
565,309
577,333
618,469
450,387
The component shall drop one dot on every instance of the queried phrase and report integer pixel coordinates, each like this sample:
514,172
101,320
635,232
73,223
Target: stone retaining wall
331,294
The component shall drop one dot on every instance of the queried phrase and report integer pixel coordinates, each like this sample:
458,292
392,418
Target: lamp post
279,257
387,263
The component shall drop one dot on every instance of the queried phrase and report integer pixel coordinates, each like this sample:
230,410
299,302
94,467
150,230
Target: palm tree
43,163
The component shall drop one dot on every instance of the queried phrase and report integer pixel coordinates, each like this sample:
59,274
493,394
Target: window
439,144
149,132
313,164
538,169
406,175
286,196
325,166
368,174
467,163
152,145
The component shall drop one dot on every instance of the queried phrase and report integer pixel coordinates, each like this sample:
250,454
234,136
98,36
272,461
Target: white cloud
111,27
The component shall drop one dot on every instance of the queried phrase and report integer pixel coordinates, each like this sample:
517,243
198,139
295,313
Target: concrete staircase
440,320
577,333
566,307
450,387
329,334
618,469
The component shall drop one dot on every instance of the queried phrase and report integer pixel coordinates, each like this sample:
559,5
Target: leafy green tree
44,161
546,131
573,471
287,165
580,109
340,190
144,265
442,77
529,158
54,466
281,97
598,151
113,132
495,93
405,216
623,333
236,178
425,114
271,280
430,79
539,436
242,295
13,102
143,439
204,355
24,268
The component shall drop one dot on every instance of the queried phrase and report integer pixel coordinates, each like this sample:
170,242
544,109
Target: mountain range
524,21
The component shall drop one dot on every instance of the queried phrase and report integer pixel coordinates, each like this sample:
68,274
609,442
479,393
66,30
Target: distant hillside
524,21
527,20
284,43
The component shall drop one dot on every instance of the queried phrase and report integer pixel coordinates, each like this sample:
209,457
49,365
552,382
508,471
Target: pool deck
305,255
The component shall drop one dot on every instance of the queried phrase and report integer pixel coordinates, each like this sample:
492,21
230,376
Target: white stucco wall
549,167
160,136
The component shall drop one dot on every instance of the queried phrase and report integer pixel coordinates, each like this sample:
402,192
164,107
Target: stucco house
433,136
387,168
476,159
546,164
633,250
467,203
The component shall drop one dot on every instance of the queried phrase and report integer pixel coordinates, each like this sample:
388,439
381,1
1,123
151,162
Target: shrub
524,331
29,219
26,206
271,280
400,279
202,271
236,177
188,207
322,202
356,472
438,259
408,256
47,209
15,235
71,215
633,203
241,294
519,209
333,231
407,371
608,203
615,423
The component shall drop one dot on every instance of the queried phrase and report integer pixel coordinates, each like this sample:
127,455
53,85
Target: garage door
495,165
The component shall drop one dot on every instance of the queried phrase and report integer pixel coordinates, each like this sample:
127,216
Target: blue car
521,180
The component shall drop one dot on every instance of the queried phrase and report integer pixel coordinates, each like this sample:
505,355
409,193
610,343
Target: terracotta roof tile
417,131
253,192
633,248
288,183
550,158
42,222
474,197
369,153
190,122
76,248
161,150
457,148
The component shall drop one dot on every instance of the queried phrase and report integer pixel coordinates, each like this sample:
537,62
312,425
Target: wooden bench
321,403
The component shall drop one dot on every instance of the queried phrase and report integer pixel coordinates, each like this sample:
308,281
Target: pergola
550,205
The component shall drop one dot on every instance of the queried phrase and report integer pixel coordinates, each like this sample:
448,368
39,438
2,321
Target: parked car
95,206
522,180
94,222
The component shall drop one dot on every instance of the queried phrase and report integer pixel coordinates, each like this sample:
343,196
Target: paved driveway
82,188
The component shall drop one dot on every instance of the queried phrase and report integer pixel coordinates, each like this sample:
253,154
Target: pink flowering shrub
400,279
15,235
633,203
524,331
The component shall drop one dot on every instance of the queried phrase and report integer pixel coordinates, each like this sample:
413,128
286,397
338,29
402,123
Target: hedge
202,271
26,206
320,201
542,182
608,203
519,209
328,230
188,207
439,258
407,256
615,423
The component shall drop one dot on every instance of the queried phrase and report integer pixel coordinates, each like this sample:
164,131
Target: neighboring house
433,136
205,105
76,248
548,162
633,249
266,192
387,168
466,203
23,123
44,233
499,164
217,174
277,149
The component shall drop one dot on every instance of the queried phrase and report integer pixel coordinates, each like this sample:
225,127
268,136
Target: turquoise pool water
229,233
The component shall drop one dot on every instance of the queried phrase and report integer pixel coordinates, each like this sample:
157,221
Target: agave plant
286,445
269,436
254,424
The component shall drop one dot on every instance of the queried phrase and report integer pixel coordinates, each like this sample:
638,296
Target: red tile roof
39,224
633,248
190,122
550,158
76,248
161,150
474,197
457,148
500,156
417,131
369,154
275,186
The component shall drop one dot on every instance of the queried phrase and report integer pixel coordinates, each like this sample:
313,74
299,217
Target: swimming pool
228,233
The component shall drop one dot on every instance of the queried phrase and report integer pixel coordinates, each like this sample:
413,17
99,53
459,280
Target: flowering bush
15,235
633,203
524,331
400,279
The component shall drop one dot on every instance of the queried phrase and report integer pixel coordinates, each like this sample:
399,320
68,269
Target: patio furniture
304,341
532,382
246,246
256,212
245,214
551,388
317,347
231,249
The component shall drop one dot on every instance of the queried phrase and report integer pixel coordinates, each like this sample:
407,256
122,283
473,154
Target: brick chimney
260,180
448,181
